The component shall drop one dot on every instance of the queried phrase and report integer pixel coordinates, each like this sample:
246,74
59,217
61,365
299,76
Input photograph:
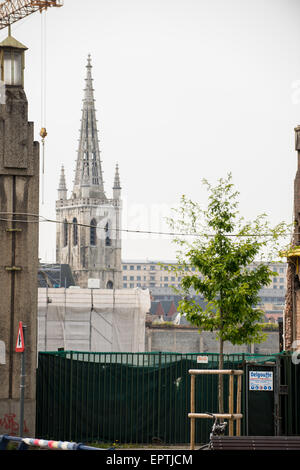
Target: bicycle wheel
204,447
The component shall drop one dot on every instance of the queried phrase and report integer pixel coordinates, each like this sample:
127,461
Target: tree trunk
221,386
221,360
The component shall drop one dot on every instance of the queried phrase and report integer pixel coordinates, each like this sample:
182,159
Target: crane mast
15,10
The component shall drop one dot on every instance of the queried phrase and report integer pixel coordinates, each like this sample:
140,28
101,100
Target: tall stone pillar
19,197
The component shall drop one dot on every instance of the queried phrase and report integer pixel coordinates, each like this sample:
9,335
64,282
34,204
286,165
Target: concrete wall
189,340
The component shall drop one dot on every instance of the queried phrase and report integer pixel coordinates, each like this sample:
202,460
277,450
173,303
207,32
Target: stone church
88,234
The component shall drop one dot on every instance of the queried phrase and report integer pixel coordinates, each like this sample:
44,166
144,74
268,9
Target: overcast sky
184,89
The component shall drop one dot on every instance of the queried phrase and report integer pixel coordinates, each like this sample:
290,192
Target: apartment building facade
161,277
150,274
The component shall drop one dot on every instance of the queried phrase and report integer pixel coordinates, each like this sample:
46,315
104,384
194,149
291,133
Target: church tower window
75,232
65,232
107,238
93,233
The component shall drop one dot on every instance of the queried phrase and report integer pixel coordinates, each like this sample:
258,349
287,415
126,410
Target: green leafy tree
221,245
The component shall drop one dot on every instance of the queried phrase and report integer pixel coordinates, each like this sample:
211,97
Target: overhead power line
39,219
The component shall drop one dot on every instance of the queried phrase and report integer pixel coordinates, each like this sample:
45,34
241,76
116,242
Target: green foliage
221,245
269,326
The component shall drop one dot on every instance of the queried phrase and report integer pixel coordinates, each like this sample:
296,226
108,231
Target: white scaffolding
92,319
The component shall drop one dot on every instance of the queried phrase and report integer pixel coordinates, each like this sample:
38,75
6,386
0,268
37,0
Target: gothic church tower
88,236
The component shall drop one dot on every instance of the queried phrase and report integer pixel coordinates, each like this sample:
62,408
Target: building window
93,232
131,268
138,268
75,232
65,232
125,268
131,286
131,278
107,238
125,285
109,285
124,278
138,278
152,268
152,278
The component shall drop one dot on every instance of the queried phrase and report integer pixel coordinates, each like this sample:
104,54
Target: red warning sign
20,346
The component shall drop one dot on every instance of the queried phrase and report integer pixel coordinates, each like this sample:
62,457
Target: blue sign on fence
260,380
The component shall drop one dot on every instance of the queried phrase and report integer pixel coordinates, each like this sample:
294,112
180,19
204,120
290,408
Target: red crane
15,10
12,11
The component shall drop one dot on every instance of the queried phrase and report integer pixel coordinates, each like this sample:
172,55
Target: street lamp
12,61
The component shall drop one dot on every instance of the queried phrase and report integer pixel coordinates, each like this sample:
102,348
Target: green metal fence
126,397
289,396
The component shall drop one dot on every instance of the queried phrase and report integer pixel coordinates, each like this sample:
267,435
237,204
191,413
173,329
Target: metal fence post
159,389
193,378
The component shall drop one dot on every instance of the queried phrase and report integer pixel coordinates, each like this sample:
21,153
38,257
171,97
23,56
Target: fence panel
125,397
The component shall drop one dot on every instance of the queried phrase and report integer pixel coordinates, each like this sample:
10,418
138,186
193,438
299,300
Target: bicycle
218,429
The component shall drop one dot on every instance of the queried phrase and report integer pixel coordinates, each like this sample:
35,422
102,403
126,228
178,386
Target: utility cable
149,232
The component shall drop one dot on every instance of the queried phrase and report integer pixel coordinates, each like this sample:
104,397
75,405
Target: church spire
117,185
62,187
88,175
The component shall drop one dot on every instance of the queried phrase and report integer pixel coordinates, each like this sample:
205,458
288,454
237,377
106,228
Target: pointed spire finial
117,183
62,180
62,187
89,90
88,173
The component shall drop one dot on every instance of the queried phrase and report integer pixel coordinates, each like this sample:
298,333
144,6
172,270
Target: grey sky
185,90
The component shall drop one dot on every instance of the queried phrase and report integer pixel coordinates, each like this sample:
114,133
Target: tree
220,245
